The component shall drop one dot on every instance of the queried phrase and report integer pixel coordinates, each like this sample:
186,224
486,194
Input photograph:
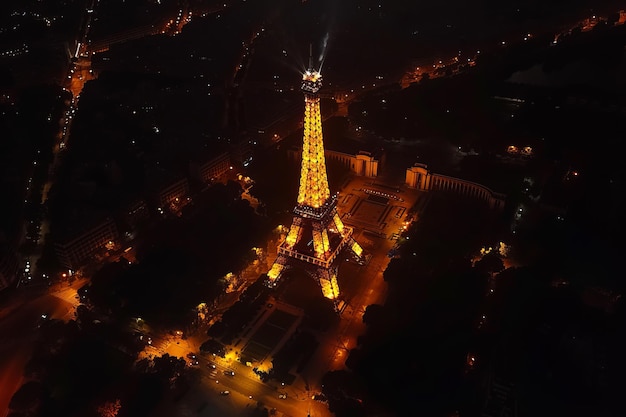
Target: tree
28,397
260,411
143,365
354,358
213,346
374,314
169,367
344,393
396,269
217,330
143,396
109,408
491,263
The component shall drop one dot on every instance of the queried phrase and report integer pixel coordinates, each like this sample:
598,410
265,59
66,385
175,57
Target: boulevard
19,318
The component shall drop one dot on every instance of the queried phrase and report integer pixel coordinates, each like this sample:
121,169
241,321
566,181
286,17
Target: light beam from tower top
311,81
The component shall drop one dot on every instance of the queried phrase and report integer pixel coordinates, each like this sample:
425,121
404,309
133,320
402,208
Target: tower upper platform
311,81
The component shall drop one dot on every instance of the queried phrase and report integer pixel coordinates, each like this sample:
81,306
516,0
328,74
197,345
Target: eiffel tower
317,236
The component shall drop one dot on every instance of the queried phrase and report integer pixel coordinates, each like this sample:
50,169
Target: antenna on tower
310,57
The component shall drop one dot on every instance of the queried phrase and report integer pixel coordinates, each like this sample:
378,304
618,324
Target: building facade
76,249
209,171
418,176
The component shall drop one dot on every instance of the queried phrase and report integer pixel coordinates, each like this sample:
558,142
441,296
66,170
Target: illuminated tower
317,236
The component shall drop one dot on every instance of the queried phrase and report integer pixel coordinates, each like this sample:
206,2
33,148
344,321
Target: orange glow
275,271
312,76
313,190
293,235
330,288
321,245
317,234
356,248
338,223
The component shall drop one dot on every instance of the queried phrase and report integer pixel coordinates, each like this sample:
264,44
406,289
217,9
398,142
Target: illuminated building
317,236
80,244
167,189
419,177
211,168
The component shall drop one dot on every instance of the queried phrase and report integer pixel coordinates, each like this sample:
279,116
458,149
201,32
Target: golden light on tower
338,223
330,288
275,271
317,236
313,191
293,234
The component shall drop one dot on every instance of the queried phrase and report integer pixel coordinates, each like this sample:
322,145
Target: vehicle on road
42,319
224,392
282,396
229,372
320,397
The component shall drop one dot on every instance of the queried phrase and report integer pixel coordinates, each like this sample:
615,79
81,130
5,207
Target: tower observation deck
317,236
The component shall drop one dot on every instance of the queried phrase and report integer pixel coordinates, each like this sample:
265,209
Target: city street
19,319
